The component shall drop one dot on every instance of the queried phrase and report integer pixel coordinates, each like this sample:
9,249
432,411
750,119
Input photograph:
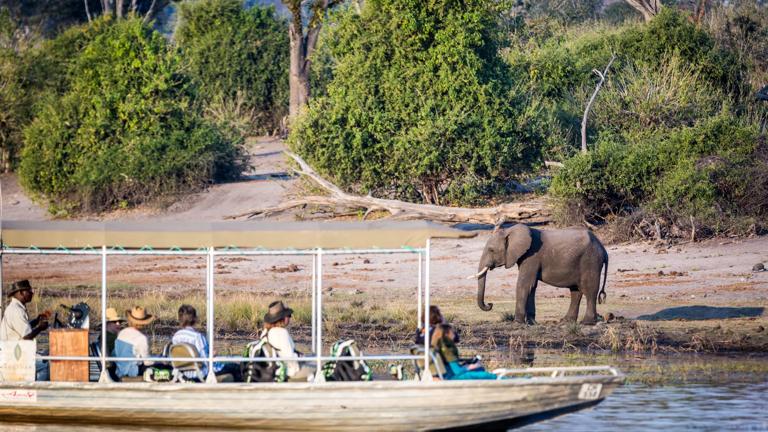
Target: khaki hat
112,316
17,286
138,316
277,311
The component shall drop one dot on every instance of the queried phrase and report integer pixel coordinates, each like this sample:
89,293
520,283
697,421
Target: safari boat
524,395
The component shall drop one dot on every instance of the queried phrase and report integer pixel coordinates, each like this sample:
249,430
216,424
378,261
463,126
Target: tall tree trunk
119,8
302,42
299,72
648,8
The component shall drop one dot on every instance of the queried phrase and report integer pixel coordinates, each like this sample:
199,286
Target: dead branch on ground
530,211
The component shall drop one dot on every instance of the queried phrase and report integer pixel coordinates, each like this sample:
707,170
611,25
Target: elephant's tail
601,295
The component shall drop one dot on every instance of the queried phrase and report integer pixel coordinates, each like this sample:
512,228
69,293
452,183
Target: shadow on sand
703,313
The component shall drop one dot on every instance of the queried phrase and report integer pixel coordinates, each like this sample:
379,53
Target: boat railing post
104,376
319,314
426,374
211,378
314,298
418,294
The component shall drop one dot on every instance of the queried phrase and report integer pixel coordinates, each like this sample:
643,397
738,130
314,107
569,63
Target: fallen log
528,211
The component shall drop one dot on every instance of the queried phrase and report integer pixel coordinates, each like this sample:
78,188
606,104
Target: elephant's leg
530,305
573,310
526,281
590,284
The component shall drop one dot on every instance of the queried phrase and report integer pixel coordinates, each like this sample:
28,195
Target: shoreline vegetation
489,113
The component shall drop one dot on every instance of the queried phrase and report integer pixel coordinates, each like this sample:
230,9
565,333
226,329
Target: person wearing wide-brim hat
276,321
16,324
131,342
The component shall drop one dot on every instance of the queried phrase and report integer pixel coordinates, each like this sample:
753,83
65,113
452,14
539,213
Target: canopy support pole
418,294
427,334
104,376
319,314
211,378
314,299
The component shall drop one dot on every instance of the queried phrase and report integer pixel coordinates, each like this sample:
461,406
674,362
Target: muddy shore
698,297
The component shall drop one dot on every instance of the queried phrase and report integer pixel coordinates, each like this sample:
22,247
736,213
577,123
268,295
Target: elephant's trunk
481,293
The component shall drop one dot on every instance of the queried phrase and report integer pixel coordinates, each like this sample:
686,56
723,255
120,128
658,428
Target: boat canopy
234,234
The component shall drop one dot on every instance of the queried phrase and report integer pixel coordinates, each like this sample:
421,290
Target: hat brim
133,320
271,319
15,290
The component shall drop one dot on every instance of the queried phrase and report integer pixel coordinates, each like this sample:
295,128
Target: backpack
346,370
263,371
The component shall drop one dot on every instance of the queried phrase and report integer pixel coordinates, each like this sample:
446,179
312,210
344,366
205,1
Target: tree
421,106
649,8
303,40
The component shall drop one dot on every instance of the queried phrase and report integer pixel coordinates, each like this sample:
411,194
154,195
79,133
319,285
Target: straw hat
138,316
112,316
277,311
17,286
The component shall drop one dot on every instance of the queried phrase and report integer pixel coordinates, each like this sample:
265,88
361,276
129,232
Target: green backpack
263,371
346,370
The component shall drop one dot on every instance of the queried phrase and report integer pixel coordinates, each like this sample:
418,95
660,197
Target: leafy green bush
421,106
641,98
715,171
125,131
238,58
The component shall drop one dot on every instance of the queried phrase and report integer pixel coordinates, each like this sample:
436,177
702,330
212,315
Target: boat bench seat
436,365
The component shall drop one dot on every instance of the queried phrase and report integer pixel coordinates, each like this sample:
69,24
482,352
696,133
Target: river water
696,407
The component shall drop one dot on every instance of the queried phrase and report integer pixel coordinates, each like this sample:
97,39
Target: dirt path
267,183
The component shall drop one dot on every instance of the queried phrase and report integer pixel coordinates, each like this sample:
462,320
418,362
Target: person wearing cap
276,321
16,324
114,326
131,342
188,335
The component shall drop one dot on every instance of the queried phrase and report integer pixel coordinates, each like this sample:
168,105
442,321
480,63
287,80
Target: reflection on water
723,407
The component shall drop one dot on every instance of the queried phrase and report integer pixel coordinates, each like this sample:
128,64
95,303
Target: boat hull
384,405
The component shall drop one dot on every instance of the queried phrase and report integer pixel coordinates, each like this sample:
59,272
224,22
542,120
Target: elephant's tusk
479,274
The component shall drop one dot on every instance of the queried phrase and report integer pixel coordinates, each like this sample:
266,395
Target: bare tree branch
648,8
602,76
87,11
532,211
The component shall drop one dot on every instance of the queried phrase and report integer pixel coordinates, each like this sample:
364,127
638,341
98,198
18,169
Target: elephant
566,258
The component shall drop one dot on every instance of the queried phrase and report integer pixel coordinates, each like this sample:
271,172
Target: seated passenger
114,326
444,345
187,334
131,342
276,320
16,324
435,318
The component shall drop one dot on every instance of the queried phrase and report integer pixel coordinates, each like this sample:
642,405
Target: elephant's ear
518,242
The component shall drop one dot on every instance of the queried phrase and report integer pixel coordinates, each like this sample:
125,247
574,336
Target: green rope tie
34,248
117,248
88,248
146,248
174,249
62,249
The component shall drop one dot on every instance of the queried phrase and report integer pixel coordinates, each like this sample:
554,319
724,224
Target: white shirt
282,341
131,342
15,324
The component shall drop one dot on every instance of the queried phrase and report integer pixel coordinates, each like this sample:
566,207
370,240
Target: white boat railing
423,293
558,371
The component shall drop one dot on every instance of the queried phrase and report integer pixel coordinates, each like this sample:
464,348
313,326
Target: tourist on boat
16,324
435,318
188,335
444,345
114,326
276,321
131,342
